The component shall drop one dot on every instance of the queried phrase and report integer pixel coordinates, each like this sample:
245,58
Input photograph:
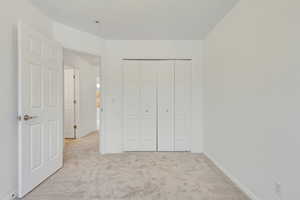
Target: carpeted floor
86,175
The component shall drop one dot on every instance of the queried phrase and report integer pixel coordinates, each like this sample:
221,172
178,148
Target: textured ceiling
139,19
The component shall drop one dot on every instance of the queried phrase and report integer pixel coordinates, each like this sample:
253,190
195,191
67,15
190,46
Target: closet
157,105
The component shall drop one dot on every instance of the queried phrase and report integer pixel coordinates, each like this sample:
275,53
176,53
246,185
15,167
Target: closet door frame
189,136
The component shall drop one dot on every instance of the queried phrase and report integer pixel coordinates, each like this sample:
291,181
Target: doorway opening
82,98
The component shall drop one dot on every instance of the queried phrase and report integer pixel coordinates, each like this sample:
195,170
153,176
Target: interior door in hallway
40,141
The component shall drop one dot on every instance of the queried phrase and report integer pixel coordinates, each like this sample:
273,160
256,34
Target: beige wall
252,95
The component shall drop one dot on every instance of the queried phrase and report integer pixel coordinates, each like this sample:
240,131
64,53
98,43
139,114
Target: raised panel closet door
131,105
165,91
148,106
182,105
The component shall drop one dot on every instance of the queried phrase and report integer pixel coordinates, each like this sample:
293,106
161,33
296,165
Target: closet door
148,106
165,91
131,90
182,105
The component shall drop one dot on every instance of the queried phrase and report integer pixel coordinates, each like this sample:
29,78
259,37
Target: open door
71,102
40,144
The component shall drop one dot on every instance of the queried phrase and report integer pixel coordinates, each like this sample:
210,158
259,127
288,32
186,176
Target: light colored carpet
86,175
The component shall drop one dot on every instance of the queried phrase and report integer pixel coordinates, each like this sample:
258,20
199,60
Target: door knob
28,117
147,111
167,110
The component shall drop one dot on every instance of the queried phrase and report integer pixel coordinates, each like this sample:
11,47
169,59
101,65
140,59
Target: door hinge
74,101
75,126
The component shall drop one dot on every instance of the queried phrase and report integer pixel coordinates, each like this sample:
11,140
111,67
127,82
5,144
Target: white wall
252,96
10,12
87,91
77,40
112,78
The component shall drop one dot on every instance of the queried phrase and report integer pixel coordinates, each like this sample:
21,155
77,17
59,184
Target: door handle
28,117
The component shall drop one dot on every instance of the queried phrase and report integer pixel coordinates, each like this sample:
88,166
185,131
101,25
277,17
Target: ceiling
139,19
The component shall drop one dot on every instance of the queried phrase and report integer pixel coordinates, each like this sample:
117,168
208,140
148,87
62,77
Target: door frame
101,148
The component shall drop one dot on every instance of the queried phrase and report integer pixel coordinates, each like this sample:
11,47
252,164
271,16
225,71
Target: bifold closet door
182,105
71,109
165,98
131,88
139,106
148,112
157,105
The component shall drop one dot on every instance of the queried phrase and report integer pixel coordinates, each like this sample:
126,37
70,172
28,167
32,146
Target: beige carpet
86,175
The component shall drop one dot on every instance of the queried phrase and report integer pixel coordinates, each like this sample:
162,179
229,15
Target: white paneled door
182,105
165,102
148,109
40,140
157,105
139,106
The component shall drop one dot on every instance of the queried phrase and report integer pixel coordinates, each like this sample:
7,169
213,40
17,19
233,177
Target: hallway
86,175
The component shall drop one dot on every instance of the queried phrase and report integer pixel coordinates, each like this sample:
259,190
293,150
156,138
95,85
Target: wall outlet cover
278,190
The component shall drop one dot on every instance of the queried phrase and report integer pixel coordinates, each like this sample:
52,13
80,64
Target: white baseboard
241,186
9,196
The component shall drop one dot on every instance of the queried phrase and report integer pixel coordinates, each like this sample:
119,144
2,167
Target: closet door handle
146,111
167,110
28,117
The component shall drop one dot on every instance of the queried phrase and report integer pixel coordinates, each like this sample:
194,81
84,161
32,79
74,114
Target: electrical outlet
278,190
13,196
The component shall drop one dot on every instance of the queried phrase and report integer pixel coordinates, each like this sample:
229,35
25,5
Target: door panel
52,88
36,137
182,104
165,86
34,101
36,85
148,107
53,139
131,89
